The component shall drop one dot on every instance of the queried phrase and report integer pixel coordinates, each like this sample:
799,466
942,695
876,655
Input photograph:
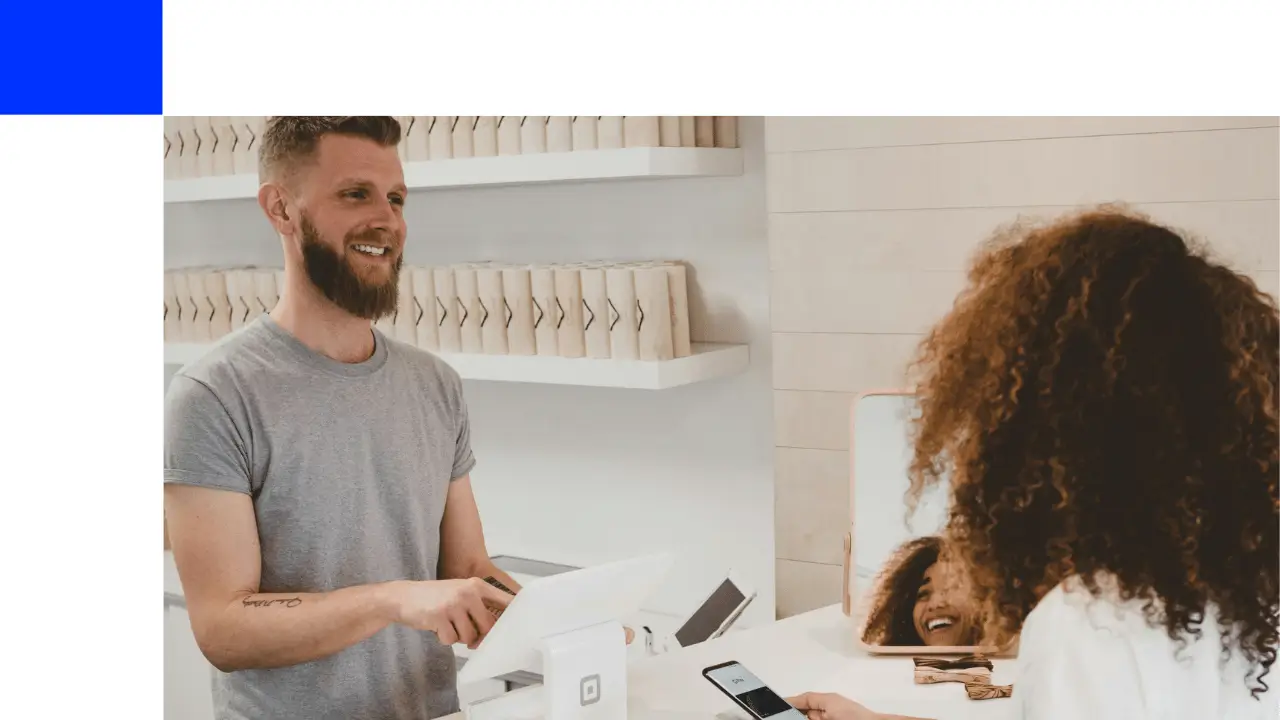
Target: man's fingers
446,634
631,634
465,628
483,619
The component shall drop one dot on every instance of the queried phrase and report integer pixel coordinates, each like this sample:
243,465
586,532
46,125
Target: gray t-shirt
348,466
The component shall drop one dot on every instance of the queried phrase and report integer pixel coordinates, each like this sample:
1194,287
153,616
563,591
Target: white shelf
627,163
708,362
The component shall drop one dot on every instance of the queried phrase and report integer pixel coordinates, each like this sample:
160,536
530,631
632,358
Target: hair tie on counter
928,677
968,661
973,671
987,691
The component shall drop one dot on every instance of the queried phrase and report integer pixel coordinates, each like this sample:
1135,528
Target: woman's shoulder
1122,645
1074,611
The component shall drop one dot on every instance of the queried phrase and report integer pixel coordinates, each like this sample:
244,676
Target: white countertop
810,652
814,651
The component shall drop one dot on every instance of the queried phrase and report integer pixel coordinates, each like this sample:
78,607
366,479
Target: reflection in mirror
912,595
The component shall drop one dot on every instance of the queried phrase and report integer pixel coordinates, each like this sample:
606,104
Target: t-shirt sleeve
463,459
1070,669
202,445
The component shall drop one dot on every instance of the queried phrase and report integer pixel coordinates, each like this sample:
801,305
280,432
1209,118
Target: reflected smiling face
943,613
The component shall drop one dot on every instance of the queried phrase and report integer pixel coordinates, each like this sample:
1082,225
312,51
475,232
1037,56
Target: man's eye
397,200
356,194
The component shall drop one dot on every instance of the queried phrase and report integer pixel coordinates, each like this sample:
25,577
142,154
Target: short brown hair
291,139
1104,397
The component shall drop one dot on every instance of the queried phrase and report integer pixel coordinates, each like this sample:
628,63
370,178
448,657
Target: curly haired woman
1105,398
917,600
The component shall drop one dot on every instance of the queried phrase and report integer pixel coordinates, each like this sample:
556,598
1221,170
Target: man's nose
386,218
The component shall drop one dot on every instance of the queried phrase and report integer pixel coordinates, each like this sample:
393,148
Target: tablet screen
708,618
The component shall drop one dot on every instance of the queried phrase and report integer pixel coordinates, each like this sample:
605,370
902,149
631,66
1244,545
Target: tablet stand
584,678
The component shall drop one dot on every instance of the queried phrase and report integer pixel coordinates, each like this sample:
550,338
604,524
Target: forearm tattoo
494,582
272,602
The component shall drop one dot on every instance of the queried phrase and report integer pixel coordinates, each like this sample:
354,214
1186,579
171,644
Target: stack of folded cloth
974,671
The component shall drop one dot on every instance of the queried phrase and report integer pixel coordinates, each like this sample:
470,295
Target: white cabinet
188,677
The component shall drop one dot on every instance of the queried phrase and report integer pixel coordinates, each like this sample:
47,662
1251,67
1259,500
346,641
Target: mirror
906,599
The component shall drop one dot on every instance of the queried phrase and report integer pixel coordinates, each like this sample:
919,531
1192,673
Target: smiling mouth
370,250
942,622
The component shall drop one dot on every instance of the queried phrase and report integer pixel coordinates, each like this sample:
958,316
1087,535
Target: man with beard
317,487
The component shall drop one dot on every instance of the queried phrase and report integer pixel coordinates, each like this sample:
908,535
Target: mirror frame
854,599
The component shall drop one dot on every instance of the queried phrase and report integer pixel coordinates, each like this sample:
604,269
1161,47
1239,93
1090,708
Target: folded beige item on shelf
484,141
533,134
641,131
586,131
559,133
609,132
464,136
509,134
440,137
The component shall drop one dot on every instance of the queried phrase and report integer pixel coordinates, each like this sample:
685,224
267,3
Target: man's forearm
264,630
483,568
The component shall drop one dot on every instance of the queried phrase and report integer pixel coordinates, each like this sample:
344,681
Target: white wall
585,475
872,220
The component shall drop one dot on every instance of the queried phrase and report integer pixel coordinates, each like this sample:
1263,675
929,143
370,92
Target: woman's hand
829,706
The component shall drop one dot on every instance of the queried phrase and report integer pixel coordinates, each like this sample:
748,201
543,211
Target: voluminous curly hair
893,596
1104,398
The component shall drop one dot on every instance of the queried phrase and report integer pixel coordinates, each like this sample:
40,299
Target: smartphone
750,694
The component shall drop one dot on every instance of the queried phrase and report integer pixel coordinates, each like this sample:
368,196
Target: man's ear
275,202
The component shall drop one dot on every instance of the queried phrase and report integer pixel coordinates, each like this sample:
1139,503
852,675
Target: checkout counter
814,652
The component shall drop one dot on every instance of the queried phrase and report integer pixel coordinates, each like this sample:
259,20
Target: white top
1098,658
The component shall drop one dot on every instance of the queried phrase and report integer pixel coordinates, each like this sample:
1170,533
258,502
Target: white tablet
562,603
716,613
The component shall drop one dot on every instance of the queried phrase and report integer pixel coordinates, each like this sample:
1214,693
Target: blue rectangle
82,58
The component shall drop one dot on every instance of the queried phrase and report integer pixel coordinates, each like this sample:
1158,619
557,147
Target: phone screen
752,694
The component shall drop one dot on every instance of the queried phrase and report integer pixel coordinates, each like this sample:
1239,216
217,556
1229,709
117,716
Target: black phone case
706,674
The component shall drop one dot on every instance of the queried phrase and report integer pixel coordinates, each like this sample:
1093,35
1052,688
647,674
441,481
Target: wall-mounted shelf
587,165
708,362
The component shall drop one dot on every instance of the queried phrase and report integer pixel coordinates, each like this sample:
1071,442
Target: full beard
332,274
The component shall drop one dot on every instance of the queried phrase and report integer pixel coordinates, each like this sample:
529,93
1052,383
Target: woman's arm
830,706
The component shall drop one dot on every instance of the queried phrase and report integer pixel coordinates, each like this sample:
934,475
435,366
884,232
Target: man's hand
455,610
